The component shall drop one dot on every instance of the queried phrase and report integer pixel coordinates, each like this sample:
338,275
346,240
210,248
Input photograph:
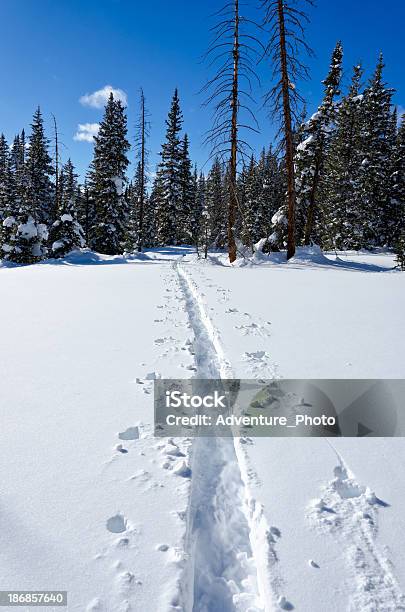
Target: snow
66,217
304,144
9,222
123,520
58,244
28,230
119,184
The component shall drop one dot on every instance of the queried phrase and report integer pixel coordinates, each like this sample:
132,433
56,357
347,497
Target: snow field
93,504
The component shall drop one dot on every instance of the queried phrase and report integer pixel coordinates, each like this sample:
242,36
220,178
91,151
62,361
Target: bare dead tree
57,189
230,94
143,132
285,20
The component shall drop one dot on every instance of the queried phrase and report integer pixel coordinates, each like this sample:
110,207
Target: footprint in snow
182,469
249,329
284,604
95,605
131,433
116,524
119,448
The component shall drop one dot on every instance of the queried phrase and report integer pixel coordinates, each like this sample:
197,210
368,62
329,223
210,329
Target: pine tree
375,170
216,204
251,205
18,170
312,151
107,181
200,221
341,218
40,191
168,196
205,220
272,186
85,210
66,233
5,180
68,188
25,231
398,184
186,231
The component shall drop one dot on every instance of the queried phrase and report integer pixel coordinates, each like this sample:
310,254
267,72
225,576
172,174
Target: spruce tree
25,230
251,205
199,222
341,216
312,151
85,210
185,231
168,196
5,180
272,188
66,233
18,170
107,181
375,169
216,204
40,190
398,184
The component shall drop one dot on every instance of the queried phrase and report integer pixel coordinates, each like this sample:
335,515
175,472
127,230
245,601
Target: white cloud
86,132
98,98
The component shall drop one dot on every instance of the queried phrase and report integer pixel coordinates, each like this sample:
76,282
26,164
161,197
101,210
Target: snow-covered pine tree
311,152
187,200
167,198
18,169
85,210
196,208
375,170
6,187
398,185
107,180
68,188
25,230
251,205
200,216
134,194
216,205
204,233
341,216
272,187
66,233
39,170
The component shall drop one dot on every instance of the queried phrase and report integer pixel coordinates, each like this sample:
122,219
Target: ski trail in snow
350,511
230,545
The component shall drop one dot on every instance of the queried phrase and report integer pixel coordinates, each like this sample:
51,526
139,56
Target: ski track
230,561
232,549
230,546
349,511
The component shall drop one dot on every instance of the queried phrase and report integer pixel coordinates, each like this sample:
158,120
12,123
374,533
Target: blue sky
53,52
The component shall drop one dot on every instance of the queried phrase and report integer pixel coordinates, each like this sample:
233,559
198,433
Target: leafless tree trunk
143,132
286,37
234,141
230,99
288,134
57,190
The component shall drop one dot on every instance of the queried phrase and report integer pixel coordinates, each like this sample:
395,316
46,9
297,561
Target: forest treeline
348,189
